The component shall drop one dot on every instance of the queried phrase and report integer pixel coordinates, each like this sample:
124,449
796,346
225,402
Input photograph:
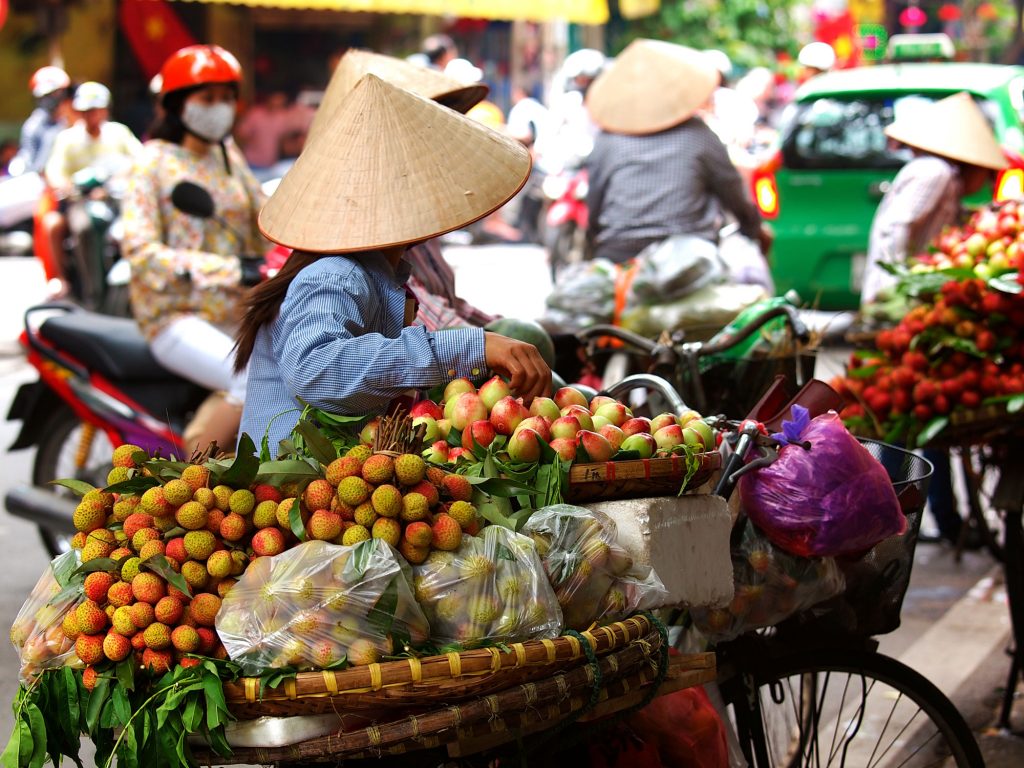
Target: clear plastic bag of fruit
770,585
319,605
492,589
38,632
594,578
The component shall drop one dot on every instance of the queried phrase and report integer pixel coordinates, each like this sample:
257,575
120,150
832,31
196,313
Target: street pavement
955,625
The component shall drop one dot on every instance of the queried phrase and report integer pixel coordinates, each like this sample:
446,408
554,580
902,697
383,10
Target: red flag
154,32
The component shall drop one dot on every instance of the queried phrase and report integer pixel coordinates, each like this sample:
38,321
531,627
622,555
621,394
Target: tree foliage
749,31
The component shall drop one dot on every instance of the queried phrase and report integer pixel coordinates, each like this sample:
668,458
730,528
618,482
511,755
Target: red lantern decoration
949,13
913,16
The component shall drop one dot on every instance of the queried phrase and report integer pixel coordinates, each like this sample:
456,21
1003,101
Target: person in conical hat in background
955,154
331,329
431,279
657,169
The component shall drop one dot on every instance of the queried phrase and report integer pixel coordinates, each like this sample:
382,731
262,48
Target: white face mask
211,122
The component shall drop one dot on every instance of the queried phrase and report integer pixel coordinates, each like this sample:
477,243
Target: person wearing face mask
188,273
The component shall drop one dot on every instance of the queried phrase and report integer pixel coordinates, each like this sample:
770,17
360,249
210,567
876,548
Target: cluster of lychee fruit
602,426
313,607
399,499
493,588
956,350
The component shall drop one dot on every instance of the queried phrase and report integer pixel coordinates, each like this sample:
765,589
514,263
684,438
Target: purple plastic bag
835,499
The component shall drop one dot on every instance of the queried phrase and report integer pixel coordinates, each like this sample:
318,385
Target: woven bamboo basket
637,478
415,683
624,677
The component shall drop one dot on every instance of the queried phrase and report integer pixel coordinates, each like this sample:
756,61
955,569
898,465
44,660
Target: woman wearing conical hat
389,169
955,153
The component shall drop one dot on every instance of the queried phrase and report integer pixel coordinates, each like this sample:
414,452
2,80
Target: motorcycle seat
112,346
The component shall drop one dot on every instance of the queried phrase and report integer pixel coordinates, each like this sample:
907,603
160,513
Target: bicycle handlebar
787,312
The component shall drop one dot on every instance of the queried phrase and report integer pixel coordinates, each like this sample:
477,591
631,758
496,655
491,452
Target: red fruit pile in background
958,350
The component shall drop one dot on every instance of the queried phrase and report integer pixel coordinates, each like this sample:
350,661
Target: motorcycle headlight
554,187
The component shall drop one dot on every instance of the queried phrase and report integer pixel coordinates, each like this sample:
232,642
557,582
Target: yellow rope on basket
549,646
376,682
455,664
331,682
520,654
374,733
574,643
251,689
608,633
495,659
415,669
289,689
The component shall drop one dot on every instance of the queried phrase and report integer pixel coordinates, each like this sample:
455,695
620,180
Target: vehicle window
830,133
833,133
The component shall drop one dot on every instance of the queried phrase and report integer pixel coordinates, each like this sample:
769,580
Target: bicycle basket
733,386
877,582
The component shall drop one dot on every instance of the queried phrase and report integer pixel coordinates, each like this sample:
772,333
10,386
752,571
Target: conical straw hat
953,127
428,83
651,87
391,168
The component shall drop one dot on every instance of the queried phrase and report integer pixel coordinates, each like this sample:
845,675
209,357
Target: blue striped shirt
339,344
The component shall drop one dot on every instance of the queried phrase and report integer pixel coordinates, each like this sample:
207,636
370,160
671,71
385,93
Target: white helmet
463,70
818,56
46,80
90,95
586,62
720,61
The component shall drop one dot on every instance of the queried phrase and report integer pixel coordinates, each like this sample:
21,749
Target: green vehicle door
836,165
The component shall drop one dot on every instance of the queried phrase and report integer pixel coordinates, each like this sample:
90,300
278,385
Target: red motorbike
99,387
565,230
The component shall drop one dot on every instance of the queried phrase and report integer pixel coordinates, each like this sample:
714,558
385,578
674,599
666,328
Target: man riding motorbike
94,142
51,88
656,169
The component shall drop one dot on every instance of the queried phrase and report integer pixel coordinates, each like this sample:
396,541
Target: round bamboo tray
564,694
637,478
415,683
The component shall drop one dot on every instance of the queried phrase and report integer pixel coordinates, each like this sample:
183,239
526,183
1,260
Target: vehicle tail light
1010,182
766,191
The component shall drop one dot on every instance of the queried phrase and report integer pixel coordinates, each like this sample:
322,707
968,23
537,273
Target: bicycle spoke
835,729
851,733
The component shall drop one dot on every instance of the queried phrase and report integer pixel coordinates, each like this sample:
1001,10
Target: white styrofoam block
684,538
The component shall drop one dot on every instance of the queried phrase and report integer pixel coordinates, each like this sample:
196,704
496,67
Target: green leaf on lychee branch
316,444
97,564
77,486
244,468
158,564
64,566
295,522
1015,403
1007,283
133,485
931,430
286,471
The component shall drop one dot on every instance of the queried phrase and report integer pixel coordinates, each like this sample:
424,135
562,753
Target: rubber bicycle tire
55,435
874,667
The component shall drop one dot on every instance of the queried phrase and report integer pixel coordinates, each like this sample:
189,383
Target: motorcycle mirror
188,197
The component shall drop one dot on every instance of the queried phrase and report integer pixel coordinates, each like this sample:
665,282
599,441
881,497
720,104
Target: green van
834,164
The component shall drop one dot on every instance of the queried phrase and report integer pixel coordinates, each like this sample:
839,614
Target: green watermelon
528,331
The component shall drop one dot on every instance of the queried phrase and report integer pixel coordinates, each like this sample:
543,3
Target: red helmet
46,80
197,65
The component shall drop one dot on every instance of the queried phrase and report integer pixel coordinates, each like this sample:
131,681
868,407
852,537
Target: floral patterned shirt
183,265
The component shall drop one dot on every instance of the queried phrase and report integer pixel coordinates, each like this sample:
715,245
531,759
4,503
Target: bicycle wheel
981,466
852,708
